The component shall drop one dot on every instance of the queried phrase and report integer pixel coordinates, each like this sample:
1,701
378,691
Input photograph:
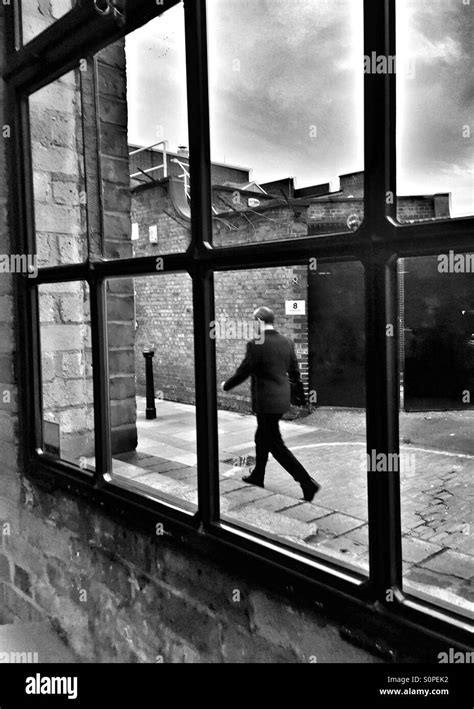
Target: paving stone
306,512
274,503
275,523
346,546
427,578
359,535
467,591
452,563
244,495
415,550
339,524
229,484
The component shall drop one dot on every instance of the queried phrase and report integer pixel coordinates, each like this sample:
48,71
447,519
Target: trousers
268,440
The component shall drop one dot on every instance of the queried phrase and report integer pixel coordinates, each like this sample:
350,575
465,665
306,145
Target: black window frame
377,244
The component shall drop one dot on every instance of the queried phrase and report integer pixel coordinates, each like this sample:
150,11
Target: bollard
150,385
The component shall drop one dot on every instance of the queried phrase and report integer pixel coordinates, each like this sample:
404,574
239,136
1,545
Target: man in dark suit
271,363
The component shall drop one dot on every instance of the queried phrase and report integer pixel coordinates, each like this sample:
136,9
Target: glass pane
66,372
151,370
144,139
38,15
59,177
326,435
286,118
435,104
436,419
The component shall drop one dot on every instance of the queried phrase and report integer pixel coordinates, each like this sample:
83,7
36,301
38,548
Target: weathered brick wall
165,323
152,207
117,595
8,347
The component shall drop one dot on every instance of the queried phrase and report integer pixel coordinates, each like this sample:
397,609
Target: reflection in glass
66,373
327,435
59,185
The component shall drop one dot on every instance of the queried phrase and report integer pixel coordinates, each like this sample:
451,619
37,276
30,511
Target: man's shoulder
284,338
280,340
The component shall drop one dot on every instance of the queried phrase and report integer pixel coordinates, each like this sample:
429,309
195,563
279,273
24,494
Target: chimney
183,152
442,205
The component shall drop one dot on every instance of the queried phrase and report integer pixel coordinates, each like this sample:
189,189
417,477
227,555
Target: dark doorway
337,334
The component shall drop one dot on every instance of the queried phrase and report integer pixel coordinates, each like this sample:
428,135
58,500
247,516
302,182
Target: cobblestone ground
437,494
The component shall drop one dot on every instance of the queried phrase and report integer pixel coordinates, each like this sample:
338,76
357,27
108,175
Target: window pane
286,118
436,420
38,15
144,136
434,109
59,176
66,372
320,307
150,327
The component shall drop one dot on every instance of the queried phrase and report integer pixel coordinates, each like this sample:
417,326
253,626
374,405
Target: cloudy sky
286,84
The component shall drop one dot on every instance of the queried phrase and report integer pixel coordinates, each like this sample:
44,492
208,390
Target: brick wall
118,595
164,304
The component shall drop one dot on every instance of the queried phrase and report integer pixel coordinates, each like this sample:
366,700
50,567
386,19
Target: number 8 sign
295,307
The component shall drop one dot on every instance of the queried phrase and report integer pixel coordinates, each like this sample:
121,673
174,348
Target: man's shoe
252,479
310,489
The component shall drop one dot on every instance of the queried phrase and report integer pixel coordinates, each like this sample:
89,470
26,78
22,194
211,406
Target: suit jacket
271,364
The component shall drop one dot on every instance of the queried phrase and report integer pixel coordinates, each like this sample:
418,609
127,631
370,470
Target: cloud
279,68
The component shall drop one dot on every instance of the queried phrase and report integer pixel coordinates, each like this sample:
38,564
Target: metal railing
185,177
163,166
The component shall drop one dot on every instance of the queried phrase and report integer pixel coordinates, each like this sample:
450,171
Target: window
114,302
286,119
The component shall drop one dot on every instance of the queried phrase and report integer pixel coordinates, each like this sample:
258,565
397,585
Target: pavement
436,488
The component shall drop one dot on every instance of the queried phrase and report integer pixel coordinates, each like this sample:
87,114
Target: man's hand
222,386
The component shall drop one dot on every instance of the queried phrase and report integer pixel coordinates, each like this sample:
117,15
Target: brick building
331,358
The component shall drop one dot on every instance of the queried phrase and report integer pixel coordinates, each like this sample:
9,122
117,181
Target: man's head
265,315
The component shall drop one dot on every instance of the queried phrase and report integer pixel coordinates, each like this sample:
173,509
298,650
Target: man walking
271,363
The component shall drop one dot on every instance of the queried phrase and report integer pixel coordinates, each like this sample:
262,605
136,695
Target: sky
286,90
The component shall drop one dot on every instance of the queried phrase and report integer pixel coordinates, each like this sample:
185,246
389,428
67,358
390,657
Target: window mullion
203,282
379,117
102,429
381,302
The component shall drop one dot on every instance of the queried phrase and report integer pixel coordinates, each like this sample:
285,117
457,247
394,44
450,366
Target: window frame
377,244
